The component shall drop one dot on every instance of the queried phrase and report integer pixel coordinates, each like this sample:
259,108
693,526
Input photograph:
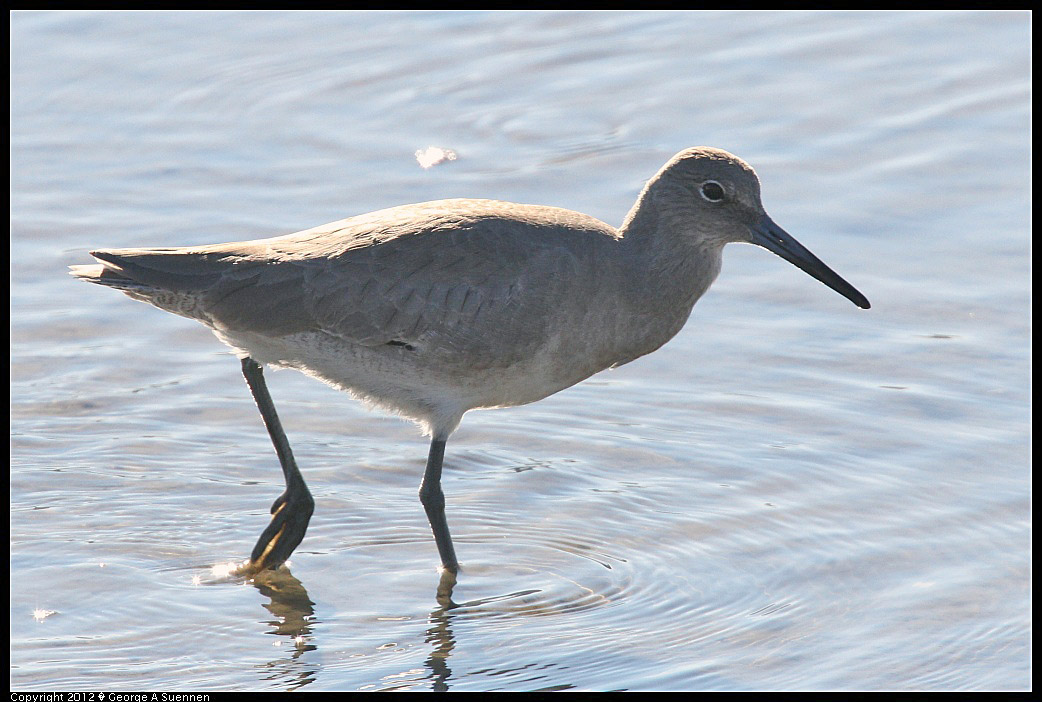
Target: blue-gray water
791,494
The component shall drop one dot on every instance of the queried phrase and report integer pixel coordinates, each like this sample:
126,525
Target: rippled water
792,494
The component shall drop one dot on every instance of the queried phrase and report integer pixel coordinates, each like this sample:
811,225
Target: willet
434,309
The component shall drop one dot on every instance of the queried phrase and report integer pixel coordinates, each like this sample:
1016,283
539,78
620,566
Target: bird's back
393,274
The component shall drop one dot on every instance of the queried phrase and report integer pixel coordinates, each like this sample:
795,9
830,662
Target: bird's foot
290,515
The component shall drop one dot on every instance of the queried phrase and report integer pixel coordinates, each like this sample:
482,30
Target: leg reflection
440,635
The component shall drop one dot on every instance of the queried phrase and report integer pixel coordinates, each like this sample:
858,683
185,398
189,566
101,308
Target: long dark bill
775,239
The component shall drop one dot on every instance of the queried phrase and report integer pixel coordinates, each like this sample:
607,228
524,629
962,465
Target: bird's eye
712,191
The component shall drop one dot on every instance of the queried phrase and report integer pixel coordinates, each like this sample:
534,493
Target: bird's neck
667,269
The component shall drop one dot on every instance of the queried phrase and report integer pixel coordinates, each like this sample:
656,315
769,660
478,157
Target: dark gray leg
433,500
292,510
